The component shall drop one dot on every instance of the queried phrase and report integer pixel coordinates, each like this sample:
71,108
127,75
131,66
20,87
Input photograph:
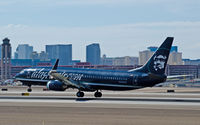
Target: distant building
193,70
74,62
127,60
5,59
32,62
191,62
0,51
117,61
35,55
144,56
93,54
198,71
174,49
107,60
23,51
63,52
154,48
43,56
175,57
22,62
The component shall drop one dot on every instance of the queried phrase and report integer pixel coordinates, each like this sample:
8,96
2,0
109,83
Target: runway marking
107,100
160,99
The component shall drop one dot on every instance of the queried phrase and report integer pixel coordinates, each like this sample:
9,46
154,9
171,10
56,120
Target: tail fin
157,63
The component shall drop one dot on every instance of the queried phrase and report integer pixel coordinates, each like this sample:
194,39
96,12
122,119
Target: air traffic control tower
5,60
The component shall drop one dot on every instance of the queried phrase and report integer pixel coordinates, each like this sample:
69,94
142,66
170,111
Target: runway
114,100
132,107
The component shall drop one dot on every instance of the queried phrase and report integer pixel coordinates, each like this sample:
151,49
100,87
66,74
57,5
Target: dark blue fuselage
92,79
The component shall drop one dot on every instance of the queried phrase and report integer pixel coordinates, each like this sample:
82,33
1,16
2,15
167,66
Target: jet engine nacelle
56,85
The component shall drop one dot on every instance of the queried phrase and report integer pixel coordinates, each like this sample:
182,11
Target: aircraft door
130,80
133,80
136,80
28,74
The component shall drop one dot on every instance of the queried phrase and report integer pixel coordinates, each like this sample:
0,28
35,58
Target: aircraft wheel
97,94
29,90
80,94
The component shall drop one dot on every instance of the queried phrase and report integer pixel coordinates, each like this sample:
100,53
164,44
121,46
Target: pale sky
121,27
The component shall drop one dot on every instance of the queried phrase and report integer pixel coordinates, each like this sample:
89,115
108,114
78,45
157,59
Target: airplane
96,80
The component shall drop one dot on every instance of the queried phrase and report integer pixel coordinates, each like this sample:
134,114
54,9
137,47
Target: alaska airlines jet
95,80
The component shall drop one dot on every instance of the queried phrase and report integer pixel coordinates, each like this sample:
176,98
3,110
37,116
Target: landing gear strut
29,88
80,94
97,94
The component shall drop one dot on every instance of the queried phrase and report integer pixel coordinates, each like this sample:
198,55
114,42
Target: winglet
55,65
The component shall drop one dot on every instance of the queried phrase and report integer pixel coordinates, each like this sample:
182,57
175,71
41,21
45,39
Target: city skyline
149,48
125,25
46,58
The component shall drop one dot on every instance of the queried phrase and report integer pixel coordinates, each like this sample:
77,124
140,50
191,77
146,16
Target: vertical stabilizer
157,63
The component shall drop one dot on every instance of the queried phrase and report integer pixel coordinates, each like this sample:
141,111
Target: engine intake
56,85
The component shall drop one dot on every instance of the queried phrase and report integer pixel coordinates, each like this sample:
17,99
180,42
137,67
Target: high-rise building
93,54
5,59
23,51
63,52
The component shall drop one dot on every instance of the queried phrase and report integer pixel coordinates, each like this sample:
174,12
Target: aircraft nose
16,76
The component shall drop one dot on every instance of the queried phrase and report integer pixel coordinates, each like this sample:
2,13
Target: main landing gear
80,94
29,88
97,94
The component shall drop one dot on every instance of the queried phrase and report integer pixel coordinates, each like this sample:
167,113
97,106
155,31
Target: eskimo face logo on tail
159,62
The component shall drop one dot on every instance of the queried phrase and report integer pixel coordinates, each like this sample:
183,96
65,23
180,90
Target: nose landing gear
29,88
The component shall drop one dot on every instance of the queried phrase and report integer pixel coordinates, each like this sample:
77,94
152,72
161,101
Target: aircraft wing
67,81
62,78
54,74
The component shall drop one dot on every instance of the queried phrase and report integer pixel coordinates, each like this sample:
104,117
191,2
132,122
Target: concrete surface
150,106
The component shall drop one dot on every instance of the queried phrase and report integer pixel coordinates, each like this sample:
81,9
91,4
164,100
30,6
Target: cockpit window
22,72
